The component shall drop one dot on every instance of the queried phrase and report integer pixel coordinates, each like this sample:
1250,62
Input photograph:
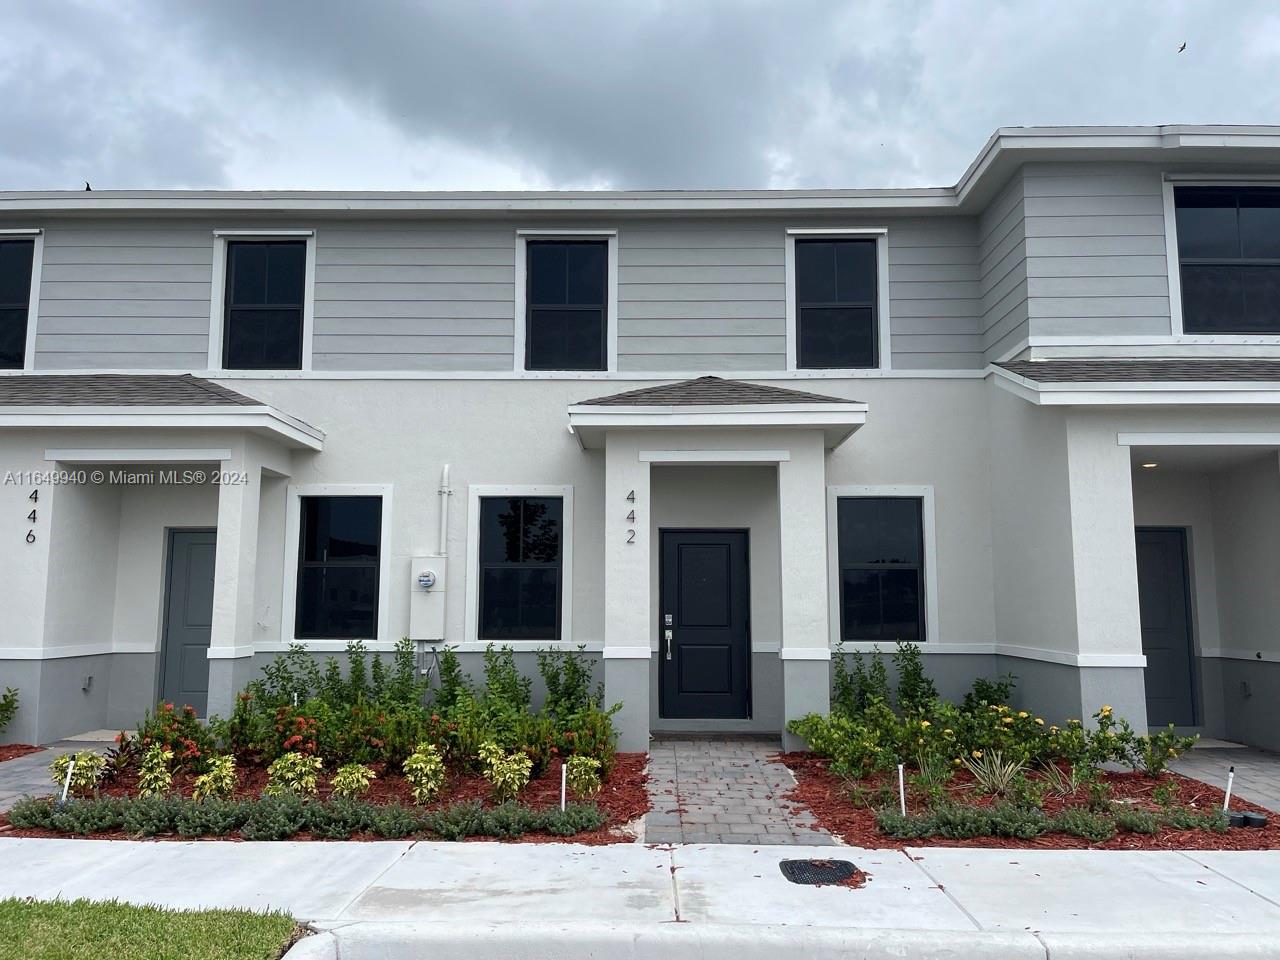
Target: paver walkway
724,790
1257,772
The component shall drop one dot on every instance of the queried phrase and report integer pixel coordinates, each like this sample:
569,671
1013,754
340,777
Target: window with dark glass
265,281
340,540
15,301
566,304
1229,258
881,569
520,568
836,304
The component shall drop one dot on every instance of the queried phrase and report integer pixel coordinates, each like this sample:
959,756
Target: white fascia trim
1152,340
481,376
1138,393
519,300
1007,650
239,653
294,432
1198,439
218,289
627,653
923,493
714,456
138,455
477,492
881,236
21,232
292,530
74,650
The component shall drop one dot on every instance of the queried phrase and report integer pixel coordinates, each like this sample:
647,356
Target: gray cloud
543,93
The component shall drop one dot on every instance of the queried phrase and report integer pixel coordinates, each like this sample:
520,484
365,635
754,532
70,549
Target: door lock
666,635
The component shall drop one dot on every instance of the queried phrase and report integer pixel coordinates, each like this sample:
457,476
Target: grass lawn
34,930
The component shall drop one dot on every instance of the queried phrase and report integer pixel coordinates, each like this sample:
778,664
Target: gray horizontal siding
125,295
1095,250
1002,239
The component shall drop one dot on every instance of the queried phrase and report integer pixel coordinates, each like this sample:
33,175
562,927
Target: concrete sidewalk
539,901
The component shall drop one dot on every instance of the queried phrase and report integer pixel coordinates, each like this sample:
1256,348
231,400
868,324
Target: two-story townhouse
1027,422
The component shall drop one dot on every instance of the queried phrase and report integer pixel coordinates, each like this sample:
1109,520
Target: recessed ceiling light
1150,465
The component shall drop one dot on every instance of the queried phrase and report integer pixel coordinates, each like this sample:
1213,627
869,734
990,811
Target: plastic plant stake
1226,799
902,792
66,782
564,775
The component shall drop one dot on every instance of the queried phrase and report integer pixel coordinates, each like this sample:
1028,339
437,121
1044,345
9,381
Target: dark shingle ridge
708,391
117,390
1205,369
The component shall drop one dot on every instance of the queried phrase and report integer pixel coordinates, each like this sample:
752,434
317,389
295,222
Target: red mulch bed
623,798
827,796
11,751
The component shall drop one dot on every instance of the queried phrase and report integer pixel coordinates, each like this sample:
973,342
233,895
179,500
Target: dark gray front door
1165,609
188,613
703,628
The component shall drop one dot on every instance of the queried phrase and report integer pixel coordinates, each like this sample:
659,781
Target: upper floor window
339,553
566,304
16,258
881,568
521,560
1229,259
836,303
265,293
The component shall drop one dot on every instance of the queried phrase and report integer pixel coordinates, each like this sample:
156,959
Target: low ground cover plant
981,767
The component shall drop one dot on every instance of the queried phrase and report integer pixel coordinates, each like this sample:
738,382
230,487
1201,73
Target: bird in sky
87,188
1183,47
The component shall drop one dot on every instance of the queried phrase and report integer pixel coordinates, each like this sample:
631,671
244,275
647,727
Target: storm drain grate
817,871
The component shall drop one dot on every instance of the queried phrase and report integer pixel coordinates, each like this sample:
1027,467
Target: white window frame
217,291
293,529
928,534
523,236
36,235
1176,329
477,492
885,345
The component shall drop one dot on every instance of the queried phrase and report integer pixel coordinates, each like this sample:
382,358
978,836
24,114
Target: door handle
667,637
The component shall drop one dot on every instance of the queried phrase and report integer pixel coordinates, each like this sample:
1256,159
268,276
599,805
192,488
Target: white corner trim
239,653
137,455
804,653
477,492
521,291
881,235
714,456
626,653
292,530
923,493
1198,439
21,232
1171,258
33,304
218,291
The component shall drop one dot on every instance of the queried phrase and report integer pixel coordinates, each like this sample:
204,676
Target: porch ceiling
712,402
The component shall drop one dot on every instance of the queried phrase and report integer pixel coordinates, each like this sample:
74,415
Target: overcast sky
332,94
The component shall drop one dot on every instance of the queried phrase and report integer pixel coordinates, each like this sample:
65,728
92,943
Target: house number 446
31,534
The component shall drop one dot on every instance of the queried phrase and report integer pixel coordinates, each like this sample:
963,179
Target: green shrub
293,773
567,677
1152,753
994,774
393,821
1091,826
178,731
1015,820
276,817
424,769
915,690
583,776
84,776
352,780
508,774
1187,818
986,692
85,817
152,816
218,781
211,816
590,733
154,776
340,818
31,813
8,706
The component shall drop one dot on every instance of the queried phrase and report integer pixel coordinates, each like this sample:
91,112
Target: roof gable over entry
715,402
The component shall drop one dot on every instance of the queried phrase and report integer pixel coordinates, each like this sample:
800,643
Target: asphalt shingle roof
707,391
1131,371
117,390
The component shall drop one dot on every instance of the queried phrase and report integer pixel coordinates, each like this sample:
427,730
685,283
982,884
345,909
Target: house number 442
631,516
